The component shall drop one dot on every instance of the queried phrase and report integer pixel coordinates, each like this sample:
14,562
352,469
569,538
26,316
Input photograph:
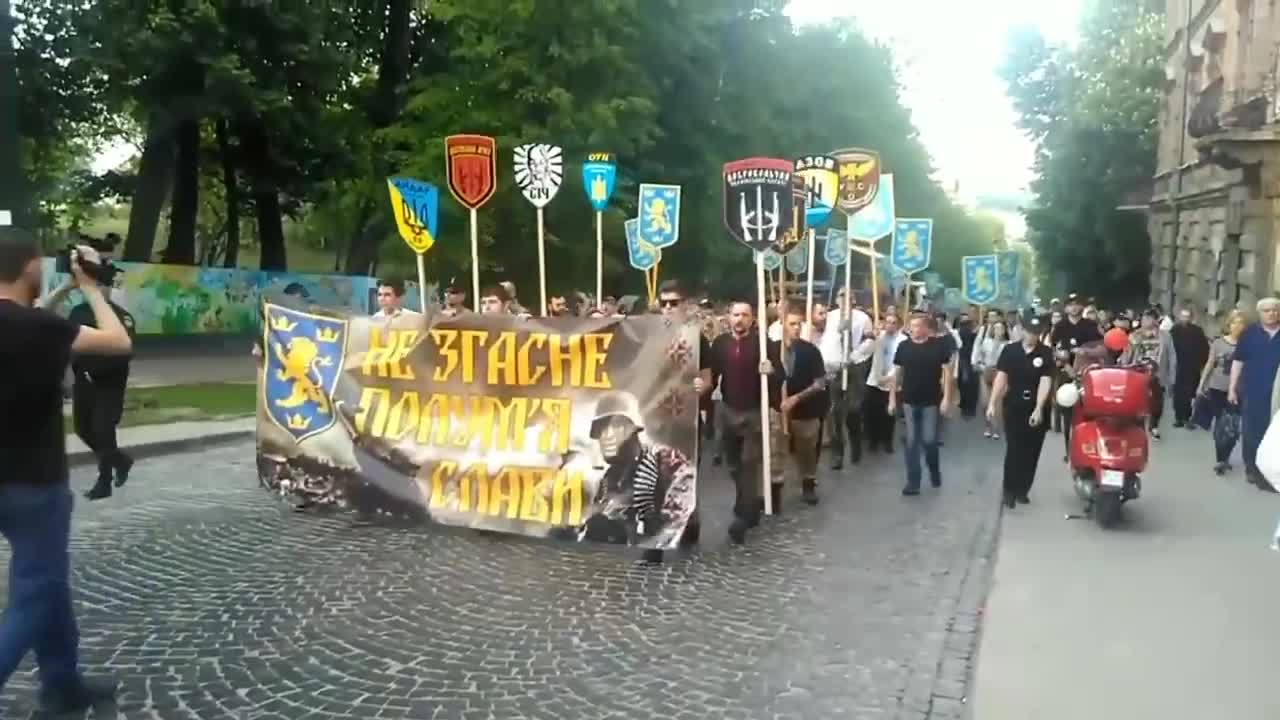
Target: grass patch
177,403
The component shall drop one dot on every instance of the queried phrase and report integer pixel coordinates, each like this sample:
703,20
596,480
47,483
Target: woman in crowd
985,356
1149,344
1214,382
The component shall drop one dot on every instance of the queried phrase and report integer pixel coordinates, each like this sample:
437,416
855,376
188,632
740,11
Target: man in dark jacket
1191,347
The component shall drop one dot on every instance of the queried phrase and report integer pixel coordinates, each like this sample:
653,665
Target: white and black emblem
539,171
758,201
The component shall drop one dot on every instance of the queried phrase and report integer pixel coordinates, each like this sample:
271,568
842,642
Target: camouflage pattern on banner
577,429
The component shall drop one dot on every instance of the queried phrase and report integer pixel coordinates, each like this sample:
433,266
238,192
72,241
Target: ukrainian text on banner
579,429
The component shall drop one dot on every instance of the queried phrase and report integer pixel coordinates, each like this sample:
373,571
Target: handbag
1202,412
1226,429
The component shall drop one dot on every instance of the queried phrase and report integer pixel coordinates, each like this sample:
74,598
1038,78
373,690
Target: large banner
578,429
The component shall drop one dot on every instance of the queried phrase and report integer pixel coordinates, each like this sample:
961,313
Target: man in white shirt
391,299
845,344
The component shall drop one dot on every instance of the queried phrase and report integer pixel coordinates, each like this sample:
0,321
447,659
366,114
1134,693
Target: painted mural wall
186,300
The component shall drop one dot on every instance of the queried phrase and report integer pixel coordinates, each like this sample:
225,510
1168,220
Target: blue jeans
36,520
922,439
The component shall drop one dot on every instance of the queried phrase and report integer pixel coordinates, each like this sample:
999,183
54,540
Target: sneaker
995,436
86,693
1178,423
653,557
910,491
986,434
1155,433
1024,499
1220,469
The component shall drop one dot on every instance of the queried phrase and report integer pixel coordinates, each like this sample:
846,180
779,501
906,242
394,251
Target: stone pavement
210,599
1171,615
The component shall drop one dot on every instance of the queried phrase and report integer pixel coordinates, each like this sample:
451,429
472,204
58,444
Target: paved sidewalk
1171,615
150,440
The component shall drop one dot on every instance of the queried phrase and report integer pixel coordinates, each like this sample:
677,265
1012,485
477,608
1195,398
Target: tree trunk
393,69
231,189
151,189
181,248
255,149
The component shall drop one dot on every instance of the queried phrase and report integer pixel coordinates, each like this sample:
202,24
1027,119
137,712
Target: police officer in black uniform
1020,393
97,401
1072,332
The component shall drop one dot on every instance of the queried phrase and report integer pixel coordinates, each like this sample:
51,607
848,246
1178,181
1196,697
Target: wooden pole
422,283
599,259
875,285
542,263
808,291
846,317
475,262
761,308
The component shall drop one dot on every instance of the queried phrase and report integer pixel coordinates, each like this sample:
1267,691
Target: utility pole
12,197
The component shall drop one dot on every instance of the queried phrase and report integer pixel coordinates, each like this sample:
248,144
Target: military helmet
616,402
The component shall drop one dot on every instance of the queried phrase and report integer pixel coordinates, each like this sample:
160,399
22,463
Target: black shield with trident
758,201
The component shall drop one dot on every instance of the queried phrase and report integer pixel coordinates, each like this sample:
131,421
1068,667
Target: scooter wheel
1106,509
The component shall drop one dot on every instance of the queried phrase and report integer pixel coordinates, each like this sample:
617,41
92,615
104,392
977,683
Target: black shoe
935,480
738,530
1178,423
856,457
1024,499
123,466
1220,469
1155,433
776,495
653,557
717,461
1009,501
100,489
837,465
86,693
810,491
910,491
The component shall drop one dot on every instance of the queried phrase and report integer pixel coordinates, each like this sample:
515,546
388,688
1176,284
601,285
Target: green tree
1092,112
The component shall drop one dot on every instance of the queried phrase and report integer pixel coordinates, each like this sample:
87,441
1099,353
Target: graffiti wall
186,300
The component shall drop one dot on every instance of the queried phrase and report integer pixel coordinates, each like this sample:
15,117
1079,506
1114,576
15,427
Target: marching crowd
840,381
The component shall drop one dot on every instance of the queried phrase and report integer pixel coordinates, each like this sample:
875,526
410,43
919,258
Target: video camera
104,273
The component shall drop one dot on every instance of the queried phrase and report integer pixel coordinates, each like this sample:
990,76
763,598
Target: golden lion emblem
298,363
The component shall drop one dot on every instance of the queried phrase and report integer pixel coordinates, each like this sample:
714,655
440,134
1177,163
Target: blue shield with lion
303,355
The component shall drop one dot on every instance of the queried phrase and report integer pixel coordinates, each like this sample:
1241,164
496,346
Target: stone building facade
1214,213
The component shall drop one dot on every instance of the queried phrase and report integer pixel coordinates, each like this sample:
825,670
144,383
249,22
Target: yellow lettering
562,352
377,358
533,504
504,489
502,360
373,400
446,341
404,342
403,418
477,475
434,420
512,422
597,351
554,436
566,498
471,341
444,470
529,371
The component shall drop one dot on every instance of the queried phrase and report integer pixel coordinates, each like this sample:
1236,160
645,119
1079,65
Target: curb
165,447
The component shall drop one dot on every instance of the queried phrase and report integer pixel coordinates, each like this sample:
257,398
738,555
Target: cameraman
35,495
98,388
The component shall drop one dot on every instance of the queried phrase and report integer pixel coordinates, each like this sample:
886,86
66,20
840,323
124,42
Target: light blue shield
912,244
659,214
599,173
932,284
642,255
981,279
875,220
772,260
303,361
797,258
1009,272
836,250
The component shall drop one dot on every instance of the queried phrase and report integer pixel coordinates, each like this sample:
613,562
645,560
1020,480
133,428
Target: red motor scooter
1109,446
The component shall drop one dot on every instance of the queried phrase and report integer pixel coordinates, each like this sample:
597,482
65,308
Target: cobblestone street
210,599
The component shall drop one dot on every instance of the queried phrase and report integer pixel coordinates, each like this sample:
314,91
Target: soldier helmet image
615,404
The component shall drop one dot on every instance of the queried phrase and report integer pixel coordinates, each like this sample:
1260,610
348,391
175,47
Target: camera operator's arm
55,298
110,337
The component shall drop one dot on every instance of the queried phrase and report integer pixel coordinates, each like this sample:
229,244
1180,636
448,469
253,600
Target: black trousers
1184,394
970,386
1022,446
96,409
879,424
1157,404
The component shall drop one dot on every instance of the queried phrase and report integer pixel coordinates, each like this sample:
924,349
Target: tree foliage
246,113
1092,112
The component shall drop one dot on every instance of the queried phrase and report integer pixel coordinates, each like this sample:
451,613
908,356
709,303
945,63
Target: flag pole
846,317
767,470
542,263
808,293
422,283
475,261
599,258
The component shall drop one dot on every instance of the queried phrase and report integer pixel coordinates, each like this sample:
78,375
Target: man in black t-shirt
923,386
35,496
97,402
800,364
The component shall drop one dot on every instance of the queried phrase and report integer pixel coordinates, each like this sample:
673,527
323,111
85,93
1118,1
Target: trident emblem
756,225
410,216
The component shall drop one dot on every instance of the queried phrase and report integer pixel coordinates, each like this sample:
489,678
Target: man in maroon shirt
736,368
